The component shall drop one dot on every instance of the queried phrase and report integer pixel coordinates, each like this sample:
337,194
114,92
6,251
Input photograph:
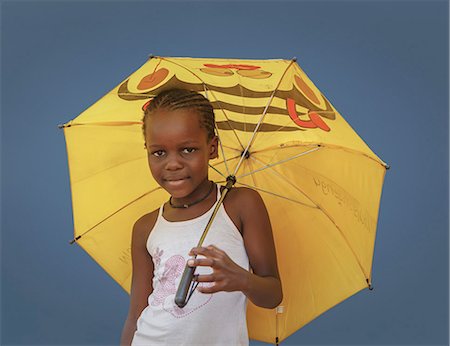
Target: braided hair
174,99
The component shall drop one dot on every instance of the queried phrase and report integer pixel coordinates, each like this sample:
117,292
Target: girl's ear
214,150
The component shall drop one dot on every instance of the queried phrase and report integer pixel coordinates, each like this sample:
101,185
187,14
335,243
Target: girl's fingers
205,278
226,274
208,289
206,251
202,262
202,251
215,248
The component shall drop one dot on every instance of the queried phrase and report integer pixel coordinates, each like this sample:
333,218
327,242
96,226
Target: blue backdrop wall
383,65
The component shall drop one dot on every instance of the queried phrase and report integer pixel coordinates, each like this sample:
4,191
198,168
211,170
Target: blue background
383,65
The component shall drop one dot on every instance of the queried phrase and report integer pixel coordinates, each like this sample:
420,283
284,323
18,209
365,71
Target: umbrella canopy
279,135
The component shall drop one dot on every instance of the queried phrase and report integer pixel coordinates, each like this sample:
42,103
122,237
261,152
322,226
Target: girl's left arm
263,286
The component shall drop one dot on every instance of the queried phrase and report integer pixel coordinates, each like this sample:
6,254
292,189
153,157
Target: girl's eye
188,150
158,153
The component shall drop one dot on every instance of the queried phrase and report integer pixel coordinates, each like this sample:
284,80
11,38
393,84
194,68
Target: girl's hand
226,276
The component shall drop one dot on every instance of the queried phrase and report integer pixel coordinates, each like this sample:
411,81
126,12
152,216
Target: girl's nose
173,163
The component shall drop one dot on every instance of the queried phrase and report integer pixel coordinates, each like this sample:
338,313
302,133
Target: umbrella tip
74,240
369,284
294,59
61,126
388,166
151,56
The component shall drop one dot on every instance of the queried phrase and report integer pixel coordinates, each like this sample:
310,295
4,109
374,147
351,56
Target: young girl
180,141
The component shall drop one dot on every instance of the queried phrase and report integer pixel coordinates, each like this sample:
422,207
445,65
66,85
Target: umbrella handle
183,287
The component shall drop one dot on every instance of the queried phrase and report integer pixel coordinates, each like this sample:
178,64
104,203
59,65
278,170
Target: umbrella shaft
181,297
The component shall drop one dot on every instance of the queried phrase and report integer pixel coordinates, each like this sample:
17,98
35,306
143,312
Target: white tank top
207,319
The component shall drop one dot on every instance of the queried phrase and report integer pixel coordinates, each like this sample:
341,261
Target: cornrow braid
174,99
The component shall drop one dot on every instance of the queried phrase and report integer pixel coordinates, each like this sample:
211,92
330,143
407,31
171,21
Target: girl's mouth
175,181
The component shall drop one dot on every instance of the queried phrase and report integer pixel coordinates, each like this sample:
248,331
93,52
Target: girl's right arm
142,276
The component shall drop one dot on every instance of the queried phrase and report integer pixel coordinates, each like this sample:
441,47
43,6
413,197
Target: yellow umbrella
279,135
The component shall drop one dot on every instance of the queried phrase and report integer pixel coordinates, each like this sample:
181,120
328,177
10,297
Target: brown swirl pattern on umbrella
300,94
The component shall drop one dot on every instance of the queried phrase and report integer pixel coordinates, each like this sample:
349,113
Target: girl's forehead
177,124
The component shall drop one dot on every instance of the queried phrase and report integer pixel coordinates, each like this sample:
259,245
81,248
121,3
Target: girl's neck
185,205
194,211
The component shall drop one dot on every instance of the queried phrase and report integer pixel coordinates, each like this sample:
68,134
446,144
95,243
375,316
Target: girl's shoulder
241,203
242,195
144,225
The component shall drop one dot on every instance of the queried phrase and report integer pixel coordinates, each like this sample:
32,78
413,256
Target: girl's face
179,151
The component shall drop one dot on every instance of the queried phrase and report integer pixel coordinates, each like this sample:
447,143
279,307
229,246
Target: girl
178,127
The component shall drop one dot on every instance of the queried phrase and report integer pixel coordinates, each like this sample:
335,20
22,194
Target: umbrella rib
273,133
327,146
231,148
250,142
321,209
279,175
223,152
102,123
158,188
114,213
230,159
182,66
268,139
277,195
224,162
215,169
251,173
280,162
204,86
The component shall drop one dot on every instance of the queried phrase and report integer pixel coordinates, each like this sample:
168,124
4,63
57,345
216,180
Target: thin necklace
193,203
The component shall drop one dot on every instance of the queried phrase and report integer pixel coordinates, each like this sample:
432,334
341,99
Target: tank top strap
161,209
218,192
